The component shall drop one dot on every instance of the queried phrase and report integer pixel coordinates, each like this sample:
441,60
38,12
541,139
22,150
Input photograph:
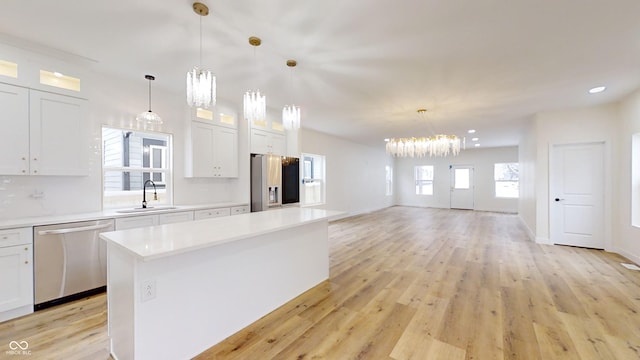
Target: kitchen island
175,290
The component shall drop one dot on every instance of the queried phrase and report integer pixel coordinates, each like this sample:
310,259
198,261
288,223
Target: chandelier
201,83
255,104
149,117
291,114
437,145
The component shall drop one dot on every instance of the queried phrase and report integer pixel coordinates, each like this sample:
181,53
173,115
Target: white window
389,180
131,159
507,181
462,179
424,179
313,179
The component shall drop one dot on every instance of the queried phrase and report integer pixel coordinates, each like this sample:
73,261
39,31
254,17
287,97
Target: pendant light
291,114
149,117
255,104
201,83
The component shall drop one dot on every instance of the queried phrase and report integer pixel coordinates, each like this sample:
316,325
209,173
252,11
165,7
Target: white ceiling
364,66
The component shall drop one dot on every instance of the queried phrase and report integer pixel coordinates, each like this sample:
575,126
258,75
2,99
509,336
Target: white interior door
577,195
461,187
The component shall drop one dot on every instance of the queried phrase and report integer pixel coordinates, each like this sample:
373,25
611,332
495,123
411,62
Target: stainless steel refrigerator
266,182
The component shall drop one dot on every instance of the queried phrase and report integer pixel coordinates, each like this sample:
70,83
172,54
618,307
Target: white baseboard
530,232
628,255
543,240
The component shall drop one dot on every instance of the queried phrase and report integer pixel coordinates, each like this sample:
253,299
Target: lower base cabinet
131,222
16,273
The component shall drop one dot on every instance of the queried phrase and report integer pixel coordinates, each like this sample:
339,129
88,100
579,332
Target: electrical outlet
147,290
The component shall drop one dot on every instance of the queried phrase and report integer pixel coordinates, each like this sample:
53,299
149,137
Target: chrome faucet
144,193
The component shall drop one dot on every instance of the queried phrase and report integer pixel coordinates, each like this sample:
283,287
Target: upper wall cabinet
42,133
37,71
14,130
211,151
267,142
219,115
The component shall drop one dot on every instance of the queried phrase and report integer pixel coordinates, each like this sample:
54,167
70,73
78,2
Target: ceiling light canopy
597,89
436,145
201,83
291,114
255,104
149,117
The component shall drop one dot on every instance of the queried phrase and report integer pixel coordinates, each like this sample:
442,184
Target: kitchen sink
148,208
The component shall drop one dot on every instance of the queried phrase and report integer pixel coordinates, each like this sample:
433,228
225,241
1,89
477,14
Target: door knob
558,199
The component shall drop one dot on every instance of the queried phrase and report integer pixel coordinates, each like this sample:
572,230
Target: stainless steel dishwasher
70,261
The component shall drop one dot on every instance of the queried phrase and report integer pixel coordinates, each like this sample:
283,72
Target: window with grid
507,180
389,180
313,179
129,159
424,179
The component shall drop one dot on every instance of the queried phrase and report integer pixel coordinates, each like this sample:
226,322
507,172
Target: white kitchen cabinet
240,210
219,115
267,142
132,222
16,273
211,213
175,217
14,130
212,151
42,133
57,128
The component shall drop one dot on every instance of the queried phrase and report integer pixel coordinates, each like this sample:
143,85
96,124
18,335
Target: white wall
626,237
586,125
482,160
355,173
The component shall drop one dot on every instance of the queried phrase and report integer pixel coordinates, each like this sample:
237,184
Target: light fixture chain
201,41
291,92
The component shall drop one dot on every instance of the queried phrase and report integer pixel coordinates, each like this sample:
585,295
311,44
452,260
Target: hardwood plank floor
413,283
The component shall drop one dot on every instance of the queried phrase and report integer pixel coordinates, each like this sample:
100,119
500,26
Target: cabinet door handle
35,158
24,158
26,249
26,261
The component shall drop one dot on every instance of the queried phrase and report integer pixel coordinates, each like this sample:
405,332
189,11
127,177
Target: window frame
315,166
506,181
421,183
388,180
164,188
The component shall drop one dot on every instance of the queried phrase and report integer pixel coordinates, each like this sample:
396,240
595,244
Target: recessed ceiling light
386,140
475,139
471,131
477,145
596,90
57,74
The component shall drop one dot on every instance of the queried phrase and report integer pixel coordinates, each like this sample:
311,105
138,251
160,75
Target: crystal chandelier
149,117
291,117
201,83
437,145
291,114
255,104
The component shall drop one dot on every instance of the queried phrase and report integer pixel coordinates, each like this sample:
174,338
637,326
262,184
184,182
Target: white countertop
154,242
105,214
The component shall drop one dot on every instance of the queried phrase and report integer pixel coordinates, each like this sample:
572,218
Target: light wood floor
414,283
